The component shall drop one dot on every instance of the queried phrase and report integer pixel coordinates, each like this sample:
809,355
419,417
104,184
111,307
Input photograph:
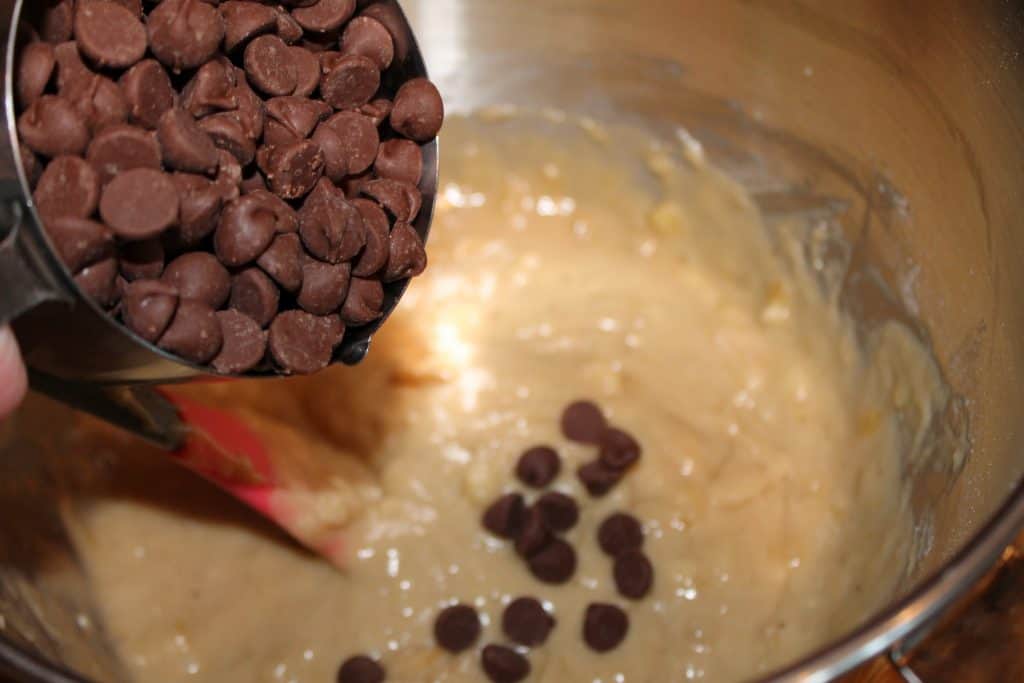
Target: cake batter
563,266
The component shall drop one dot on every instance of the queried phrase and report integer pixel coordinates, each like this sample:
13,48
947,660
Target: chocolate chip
352,82
212,88
406,257
269,66
57,21
288,29
331,227
457,628
503,664
349,141
132,219
142,260
250,107
109,35
538,466
186,147
302,343
368,37
35,67
534,535
199,276
31,164
245,20
559,510
584,422
183,34
361,670
376,230
619,450
200,204
620,533
98,282
147,92
245,231
505,517
255,295
555,563
307,70
194,332
252,182
79,242
392,18
604,626
377,111
227,134
147,308
53,127
68,187
363,303
121,148
526,622
598,478
418,112
98,101
353,185
283,262
293,169
70,67
229,176
324,286
401,200
633,574
324,15
400,160
291,119
244,345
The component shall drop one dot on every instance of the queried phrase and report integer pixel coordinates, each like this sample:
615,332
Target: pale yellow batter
568,261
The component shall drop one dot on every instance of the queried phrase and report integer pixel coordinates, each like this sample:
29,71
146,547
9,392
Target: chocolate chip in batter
503,664
620,533
361,669
538,466
555,563
583,421
561,512
457,628
505,517
534,535
245,344
604,627
597,478
633,574
526,622
619,450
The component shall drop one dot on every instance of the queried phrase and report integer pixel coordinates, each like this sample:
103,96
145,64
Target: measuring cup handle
25,278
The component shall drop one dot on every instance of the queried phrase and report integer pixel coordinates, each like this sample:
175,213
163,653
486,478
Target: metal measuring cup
75,351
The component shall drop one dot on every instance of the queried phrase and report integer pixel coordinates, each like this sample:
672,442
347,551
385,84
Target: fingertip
13,380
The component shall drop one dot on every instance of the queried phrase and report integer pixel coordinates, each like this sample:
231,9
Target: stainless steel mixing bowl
899,122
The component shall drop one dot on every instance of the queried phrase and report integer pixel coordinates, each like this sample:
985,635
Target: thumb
13,381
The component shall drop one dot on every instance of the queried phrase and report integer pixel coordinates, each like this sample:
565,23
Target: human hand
13,379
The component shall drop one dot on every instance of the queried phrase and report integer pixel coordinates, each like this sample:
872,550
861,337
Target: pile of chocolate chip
235,180
535,531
